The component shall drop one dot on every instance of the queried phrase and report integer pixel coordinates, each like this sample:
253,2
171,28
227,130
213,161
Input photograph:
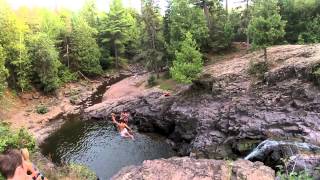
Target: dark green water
98,145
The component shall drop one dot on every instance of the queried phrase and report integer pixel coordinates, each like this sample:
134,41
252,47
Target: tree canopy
90,42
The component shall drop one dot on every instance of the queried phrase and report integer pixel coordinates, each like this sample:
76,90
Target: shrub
66,75
283,174
73,100
10,139
81,172
42,109
152,81
316,76
187,64
258,68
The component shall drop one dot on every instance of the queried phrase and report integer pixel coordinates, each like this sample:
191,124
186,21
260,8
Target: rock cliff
192,169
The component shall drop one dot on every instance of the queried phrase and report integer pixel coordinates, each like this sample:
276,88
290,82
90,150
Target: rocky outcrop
227,113
296,156
188,168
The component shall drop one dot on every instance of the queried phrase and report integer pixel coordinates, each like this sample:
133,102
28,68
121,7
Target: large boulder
196,169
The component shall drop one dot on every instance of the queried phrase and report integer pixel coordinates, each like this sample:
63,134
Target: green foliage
152,81
45,62
113,30
82,172
50,24
15,140
183,18
316,75
221,30
66,75
188,62
85,53
42,109
153,41
266,26
311,35
133,43
258,68
12,40
90,13
283,174
298,14
3,71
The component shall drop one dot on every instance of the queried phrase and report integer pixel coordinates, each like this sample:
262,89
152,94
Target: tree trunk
265,54
206,14
68,55
153,38
227,7
116,55
248,36
158,73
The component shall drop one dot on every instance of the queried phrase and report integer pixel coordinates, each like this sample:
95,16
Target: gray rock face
227,114
192,169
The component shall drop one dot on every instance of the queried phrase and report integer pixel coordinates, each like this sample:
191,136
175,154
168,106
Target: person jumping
122,128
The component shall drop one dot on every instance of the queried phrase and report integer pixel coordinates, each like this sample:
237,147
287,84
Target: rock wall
188,168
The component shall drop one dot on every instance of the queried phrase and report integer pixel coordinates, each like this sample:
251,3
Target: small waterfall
268,145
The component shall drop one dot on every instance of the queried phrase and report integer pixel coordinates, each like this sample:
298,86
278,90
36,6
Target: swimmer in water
122,128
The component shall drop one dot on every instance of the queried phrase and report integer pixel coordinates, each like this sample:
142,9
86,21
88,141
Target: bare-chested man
122,128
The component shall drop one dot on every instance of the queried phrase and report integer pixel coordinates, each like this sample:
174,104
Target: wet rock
295,156
188,168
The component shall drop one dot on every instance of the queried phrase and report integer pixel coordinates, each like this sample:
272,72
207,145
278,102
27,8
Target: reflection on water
98,145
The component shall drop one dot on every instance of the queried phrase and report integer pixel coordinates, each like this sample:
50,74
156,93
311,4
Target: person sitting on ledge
122,128
31,168
12,166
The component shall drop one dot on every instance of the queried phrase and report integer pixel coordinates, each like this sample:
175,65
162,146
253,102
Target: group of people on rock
16,165
123,128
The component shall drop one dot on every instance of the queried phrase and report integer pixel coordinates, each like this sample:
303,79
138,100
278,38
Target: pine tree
188,61
114,30
90,13
154,49
185,17
266,26
84,50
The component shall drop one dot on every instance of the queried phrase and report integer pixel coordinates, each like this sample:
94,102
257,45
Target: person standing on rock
122,128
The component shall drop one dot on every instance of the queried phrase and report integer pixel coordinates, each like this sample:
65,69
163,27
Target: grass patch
164,82
168,85
42,109
8,99
68,171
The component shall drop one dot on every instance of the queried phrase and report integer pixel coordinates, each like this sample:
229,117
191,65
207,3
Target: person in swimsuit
122,128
